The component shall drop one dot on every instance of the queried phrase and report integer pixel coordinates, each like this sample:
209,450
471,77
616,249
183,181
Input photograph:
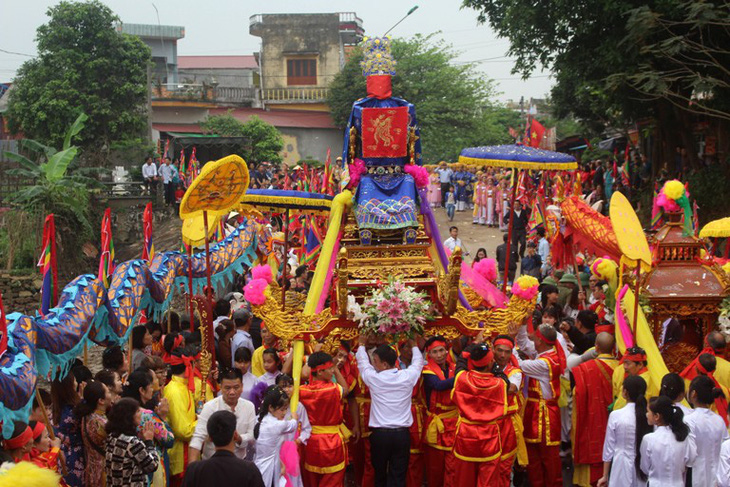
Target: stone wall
21,293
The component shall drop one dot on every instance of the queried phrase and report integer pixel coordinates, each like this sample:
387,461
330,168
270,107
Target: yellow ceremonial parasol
217,189
193,230
214,193
716,228
631,240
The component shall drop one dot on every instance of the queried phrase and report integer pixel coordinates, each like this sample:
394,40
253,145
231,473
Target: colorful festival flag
537,217
47,263
537,130
625,178
148,250
192,167
314,242
106,260
181,164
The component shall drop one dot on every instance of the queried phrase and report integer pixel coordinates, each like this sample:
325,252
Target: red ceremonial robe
325,452
592,396
481,399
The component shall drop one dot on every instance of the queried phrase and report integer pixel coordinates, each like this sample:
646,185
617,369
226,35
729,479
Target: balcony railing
306,95
204,92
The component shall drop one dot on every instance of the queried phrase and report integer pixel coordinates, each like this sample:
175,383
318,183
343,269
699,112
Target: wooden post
190,289
515,182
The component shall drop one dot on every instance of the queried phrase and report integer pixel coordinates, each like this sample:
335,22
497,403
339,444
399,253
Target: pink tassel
623,325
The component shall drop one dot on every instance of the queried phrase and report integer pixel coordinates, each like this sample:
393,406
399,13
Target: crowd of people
511,410
552,400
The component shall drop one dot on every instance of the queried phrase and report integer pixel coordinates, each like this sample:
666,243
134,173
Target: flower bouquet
393,309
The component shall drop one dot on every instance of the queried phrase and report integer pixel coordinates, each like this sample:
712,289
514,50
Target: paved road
473,236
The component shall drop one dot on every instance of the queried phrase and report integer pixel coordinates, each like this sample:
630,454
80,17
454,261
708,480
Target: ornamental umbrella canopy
281,200
519,157
716,228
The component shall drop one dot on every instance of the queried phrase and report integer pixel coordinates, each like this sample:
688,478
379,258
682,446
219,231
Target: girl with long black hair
669,450
270,432
708,430
91,415
624,433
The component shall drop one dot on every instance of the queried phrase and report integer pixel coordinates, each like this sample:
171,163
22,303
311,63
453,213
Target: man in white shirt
390,413
242,338
149,174
454,241
168,172
229,400
444,173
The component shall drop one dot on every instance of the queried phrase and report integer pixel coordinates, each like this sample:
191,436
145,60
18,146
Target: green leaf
74,130
23,161
55,168
37,147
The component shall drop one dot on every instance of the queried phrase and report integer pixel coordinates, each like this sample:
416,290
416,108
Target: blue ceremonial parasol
517,156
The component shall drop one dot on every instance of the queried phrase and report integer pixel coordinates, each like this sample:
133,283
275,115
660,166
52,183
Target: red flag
181,164
537,130
106,260
513,133
167,148
287,180
148,249
47,263
615,164
3,328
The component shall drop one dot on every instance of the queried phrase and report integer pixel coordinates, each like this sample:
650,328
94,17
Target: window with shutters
301,72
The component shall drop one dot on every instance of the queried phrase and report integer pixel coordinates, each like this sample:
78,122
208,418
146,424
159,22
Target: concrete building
301,54
162,40
235,79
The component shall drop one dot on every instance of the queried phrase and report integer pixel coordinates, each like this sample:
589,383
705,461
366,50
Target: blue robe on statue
385,199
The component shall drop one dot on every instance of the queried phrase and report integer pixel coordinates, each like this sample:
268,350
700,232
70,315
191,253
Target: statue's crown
377,59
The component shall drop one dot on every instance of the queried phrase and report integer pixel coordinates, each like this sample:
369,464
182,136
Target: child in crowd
669,450
45,452
270,432
450,203
272,366
242,361
300,437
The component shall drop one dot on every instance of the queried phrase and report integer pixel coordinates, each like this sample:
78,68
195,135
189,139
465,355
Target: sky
220,27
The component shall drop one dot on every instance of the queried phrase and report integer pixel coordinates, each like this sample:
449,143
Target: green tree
263,141
453,101
59,186
84,65
617,61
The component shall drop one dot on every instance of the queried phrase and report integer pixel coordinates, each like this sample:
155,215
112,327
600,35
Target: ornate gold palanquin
360,269
686,286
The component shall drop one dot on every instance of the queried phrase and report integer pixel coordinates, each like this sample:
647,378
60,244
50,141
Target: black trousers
169,193
444,190
390,451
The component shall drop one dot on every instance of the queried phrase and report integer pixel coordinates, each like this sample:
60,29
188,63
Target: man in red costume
364,473
345,361
506,362
481,435
542,414
438,381
592,395
325,454
418,410
714,345
706,364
